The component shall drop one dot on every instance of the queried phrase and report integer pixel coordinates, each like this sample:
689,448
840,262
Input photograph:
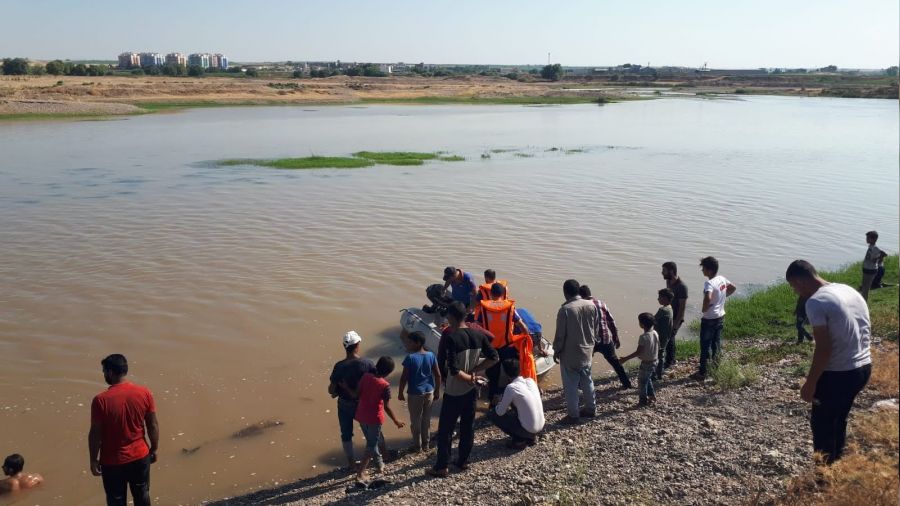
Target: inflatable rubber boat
429,323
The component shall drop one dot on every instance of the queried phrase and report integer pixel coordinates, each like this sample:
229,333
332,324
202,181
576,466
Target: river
229,288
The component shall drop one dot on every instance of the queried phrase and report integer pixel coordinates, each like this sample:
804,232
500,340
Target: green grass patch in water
396,157
308,162
452,158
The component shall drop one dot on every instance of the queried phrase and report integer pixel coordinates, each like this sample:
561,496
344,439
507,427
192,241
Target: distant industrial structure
129,60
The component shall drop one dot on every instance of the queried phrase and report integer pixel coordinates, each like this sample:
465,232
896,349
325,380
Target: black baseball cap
449,272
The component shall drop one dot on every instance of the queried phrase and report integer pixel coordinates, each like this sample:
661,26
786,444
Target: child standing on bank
873,266
421,372
374,394
648,352
663,326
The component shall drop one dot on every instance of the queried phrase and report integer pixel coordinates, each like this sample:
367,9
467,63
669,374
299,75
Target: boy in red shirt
120,418
374,393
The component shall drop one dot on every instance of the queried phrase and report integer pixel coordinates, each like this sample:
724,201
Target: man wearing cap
344,379
463,286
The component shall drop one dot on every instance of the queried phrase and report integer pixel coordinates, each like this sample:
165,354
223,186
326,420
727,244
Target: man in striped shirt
607,341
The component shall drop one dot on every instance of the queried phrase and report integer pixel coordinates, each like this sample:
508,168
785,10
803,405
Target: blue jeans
575,380
346,410
373,437
645,380
710,341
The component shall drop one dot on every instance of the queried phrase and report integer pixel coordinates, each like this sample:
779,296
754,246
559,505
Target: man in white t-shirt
526,418
841,363
715,290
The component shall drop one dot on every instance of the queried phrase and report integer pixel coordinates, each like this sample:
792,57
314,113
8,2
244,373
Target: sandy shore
699,445
60,95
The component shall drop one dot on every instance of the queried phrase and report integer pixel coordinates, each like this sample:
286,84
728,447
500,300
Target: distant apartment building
176,59
199,59
214,61
129,60
152,60
222,61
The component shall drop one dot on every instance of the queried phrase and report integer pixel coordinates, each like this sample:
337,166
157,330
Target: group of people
585,326
484,340
478,347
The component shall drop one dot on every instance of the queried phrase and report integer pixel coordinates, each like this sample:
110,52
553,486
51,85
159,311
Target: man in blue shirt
463,286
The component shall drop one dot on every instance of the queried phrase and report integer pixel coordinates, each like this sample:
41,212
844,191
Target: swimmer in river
16,478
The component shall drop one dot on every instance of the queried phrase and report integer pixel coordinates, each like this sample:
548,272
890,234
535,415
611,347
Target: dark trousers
493,373
710,341
461,408
876,282
670,348
835,392
609,353
802,333
134,475
510,424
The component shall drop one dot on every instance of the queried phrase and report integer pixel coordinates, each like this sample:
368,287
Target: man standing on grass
123,417
715,290
841,363
679,301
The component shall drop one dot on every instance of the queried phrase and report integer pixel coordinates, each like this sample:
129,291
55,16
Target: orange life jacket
497,317
485,289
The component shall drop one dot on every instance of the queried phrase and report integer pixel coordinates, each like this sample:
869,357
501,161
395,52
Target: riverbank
741,437
38,97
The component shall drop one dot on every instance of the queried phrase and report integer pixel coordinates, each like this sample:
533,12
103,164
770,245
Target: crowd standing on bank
484,333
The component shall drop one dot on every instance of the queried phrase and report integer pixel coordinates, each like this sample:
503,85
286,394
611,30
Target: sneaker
698,376
568,420
437,473
587,414
643,403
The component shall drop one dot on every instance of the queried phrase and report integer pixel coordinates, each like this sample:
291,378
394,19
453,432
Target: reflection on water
229,288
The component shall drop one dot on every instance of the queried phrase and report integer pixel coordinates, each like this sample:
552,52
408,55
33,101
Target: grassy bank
761,329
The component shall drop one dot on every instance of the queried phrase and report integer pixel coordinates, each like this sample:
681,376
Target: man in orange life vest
484,290
498,316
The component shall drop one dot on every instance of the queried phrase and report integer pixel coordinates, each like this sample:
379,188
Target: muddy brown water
229,288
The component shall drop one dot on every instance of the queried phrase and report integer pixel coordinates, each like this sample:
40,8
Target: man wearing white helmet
344,379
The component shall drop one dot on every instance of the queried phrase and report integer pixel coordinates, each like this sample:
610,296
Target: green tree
552,72
195,70
830,68
96,70
891,71
298,74
252,73
56,67
37,70
79,70
15,66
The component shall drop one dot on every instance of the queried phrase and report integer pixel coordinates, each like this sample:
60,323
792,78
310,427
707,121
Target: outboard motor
440,299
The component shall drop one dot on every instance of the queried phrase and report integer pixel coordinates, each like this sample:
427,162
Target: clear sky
727,34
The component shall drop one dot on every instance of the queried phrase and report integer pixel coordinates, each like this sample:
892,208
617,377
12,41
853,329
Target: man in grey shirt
576,327
841,363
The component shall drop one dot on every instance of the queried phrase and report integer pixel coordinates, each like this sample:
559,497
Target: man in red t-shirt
118,448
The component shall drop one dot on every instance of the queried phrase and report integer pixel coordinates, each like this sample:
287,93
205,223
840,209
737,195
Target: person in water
16,478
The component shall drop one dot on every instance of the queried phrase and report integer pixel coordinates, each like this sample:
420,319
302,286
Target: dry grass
858,478
868,472
885,366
